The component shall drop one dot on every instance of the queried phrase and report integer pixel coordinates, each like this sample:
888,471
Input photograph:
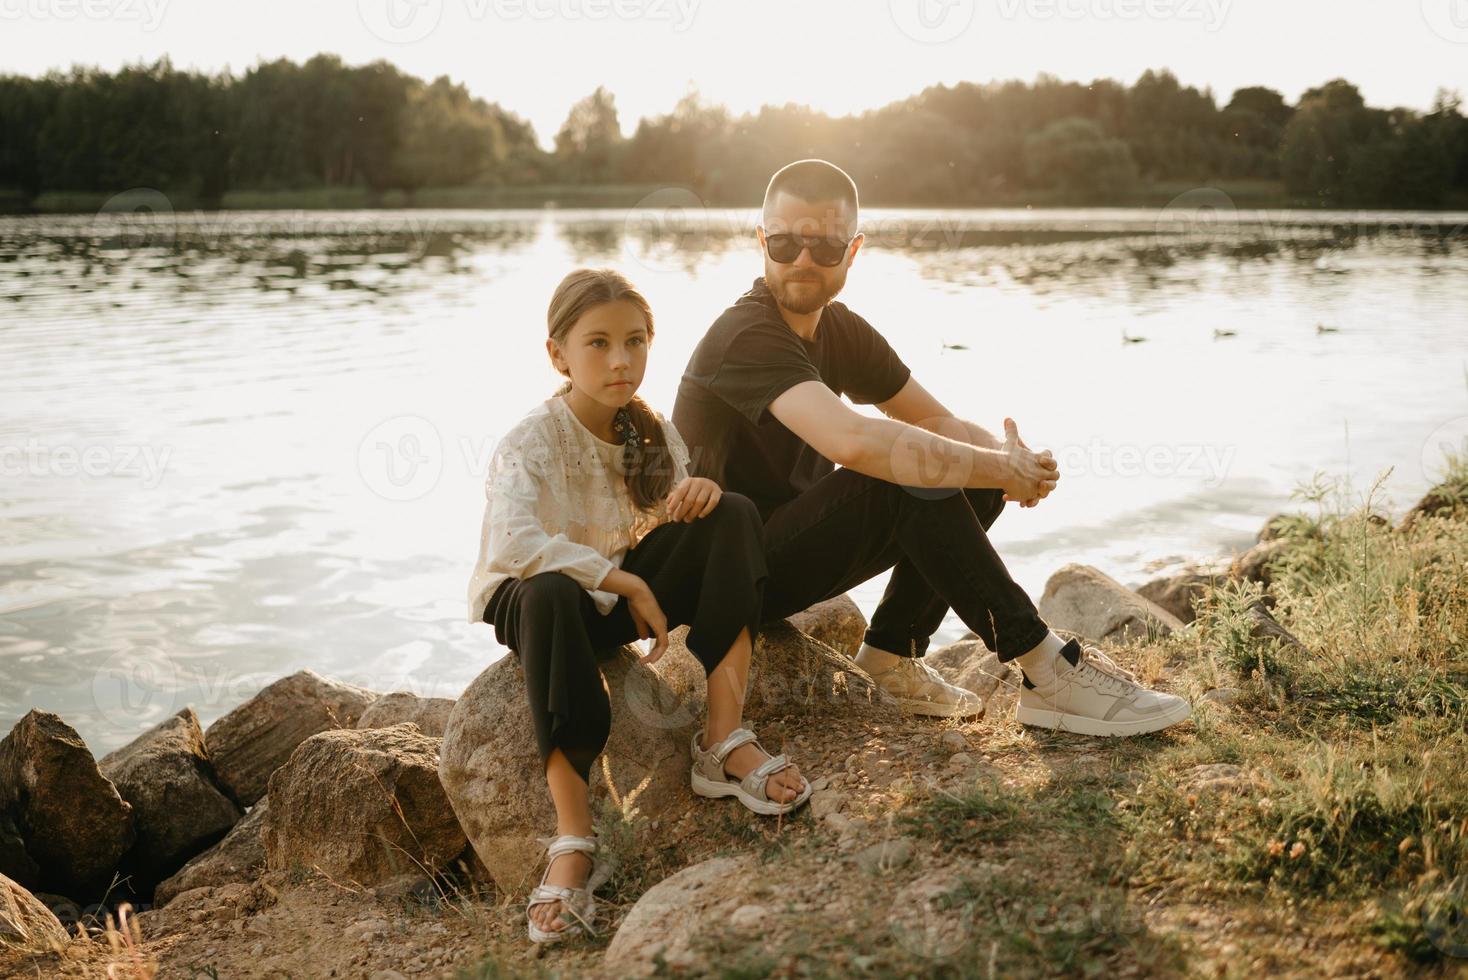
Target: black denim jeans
849,527
708,574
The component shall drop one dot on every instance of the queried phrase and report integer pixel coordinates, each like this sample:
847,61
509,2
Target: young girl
594,536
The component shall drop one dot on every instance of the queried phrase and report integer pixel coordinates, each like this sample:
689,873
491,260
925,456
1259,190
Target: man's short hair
810,181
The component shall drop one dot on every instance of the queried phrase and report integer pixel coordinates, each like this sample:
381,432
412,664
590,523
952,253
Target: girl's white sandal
578,905
709,778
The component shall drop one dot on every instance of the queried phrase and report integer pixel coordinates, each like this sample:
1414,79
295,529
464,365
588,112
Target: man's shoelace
1114,674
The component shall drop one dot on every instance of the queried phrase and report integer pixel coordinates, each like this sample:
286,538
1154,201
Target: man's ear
856,243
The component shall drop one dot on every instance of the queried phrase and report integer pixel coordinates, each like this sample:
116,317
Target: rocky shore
321,829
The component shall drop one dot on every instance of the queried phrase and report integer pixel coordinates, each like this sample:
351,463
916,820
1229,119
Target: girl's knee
549,589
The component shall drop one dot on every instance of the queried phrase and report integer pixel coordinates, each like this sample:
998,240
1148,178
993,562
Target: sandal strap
736,738
758,779
543,893
567,844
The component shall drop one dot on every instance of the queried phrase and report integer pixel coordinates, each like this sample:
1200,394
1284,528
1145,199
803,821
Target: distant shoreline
1242,194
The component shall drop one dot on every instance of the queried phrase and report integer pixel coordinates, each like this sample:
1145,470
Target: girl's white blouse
556,500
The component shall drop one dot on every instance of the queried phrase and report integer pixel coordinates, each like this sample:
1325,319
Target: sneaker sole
1082,725
936,709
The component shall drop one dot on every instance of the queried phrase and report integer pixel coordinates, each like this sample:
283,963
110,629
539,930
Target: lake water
239,445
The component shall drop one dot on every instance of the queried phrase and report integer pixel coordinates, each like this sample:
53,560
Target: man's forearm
976,434
916,457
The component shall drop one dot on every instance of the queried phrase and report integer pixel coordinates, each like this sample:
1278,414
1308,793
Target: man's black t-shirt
748,358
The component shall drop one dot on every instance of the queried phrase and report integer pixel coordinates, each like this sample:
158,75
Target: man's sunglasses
784,248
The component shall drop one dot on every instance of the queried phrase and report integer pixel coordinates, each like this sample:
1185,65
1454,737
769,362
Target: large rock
1180,592
670,918
972,666
791,673
26,924
75,825
431,715
1447,499
491,768
1254,564
256,738
178,810
15,863
1265,627
239,857
837,622
364,806
1091,603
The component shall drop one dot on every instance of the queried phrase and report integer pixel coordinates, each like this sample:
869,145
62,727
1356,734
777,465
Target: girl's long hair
649,462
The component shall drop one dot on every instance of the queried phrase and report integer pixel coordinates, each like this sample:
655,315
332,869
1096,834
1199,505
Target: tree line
325,124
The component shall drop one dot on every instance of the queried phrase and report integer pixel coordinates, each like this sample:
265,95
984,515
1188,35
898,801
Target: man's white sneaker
919,689
1092,695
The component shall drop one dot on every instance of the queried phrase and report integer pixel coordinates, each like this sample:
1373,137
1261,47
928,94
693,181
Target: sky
537,57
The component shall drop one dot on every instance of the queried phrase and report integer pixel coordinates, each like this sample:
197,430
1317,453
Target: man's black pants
849,527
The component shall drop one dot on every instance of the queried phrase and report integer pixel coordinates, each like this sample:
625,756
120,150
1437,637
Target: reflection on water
239,445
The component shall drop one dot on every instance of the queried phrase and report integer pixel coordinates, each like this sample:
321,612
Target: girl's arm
518,545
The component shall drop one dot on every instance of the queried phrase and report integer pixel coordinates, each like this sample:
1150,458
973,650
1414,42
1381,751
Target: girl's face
605,352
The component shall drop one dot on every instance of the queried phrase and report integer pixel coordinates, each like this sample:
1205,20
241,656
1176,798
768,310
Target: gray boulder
177,808
363,806
1086,601
75,825
257,737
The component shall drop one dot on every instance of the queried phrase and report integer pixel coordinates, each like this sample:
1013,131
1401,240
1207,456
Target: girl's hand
695,497
648,616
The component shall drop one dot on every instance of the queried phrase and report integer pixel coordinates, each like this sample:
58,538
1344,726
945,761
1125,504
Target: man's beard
803,298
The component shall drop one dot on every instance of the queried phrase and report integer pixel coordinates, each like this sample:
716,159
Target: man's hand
695,497
1033,475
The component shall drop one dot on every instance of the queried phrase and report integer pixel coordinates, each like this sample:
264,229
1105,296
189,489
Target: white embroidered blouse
556,500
